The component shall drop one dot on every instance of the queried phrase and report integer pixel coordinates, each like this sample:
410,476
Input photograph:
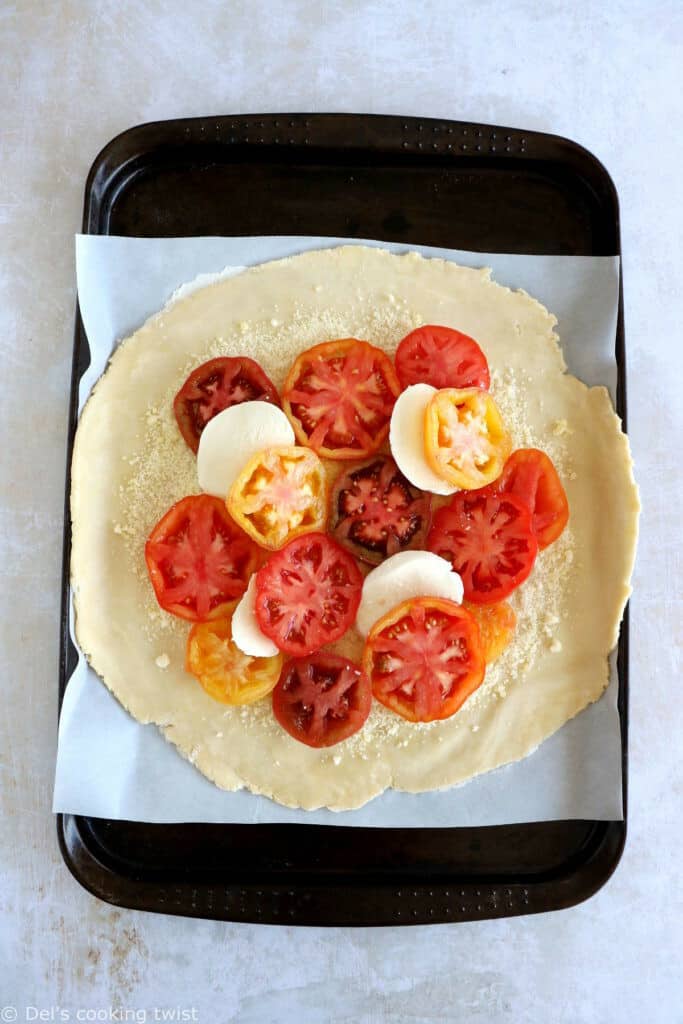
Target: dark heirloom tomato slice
198,560
424,658
529,474
322,699
442,357
215,386
377,512
489,540
307,594
339,396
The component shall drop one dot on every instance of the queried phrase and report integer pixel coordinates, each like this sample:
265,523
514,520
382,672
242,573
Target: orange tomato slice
496,626
226,673
465,438
280,494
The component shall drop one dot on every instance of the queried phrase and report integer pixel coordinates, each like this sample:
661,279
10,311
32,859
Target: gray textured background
71,76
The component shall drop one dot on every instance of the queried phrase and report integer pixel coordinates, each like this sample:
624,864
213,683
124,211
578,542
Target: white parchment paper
108,765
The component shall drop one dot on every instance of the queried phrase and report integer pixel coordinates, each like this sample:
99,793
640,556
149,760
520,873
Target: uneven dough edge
103,633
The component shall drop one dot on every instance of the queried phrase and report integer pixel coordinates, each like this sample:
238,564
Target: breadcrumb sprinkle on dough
272,313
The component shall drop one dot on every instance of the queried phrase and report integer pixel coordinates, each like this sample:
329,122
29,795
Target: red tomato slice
198,560
307,594
530,475
339,396
215,386
424,658
377,512
442,357
490,541
322,699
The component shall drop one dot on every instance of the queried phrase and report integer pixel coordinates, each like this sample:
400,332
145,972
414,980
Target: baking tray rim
66,823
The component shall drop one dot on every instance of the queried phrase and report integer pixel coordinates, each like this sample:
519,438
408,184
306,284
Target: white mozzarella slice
234,436
246,632
401,577
406,438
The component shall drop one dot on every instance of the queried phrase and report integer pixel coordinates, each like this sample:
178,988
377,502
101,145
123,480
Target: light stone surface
72,75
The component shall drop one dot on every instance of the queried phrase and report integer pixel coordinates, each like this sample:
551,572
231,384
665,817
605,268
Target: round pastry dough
568,611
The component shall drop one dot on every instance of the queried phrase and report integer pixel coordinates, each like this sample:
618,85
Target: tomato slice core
424,658
489,540
307,594
198,560
322,699
216,385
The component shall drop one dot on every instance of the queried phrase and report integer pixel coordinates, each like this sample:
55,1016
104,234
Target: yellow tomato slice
280,493
496,626
228,675
466,442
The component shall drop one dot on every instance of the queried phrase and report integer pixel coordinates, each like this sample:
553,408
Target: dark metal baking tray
441,183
